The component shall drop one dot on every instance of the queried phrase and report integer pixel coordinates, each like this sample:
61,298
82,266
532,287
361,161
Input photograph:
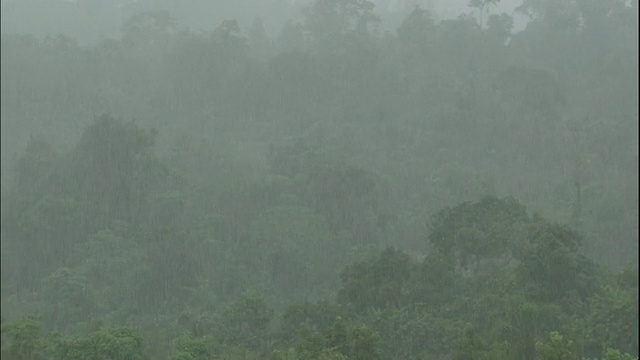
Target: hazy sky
89,20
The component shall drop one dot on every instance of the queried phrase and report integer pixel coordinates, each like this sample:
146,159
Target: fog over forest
319,179
89,21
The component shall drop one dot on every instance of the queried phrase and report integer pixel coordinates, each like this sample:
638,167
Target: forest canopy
448,189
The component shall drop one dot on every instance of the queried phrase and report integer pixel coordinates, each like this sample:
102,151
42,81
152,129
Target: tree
34,168
114,266
551,266
365,344
105,343
243,325
470,346
612,321
528,322
44,231
340,341
556,348
228,34
148,31
499,27
329,21
111,172
491,229
259,43
377,283
291,245
69,298
188,348
613,354
482,5
342,193
417,28
24,339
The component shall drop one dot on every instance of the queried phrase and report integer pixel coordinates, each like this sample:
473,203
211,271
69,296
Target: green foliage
68,295
24,339
469,346
243,325
188,348
613,354
551,265
285,240
112,171
528,322
299,318
365,344
607,324
438,279
377,283
490,229
500,351
556,348
340,341
44,232
297,157
113,265
342,193
116,343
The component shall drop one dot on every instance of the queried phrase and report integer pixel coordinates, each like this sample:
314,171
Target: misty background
89,21
328,179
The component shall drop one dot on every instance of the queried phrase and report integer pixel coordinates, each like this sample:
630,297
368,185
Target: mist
90,21
319,179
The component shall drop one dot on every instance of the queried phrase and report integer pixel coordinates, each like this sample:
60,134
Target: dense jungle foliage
338,192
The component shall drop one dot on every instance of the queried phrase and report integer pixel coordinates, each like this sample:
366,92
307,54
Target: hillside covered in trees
447,190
